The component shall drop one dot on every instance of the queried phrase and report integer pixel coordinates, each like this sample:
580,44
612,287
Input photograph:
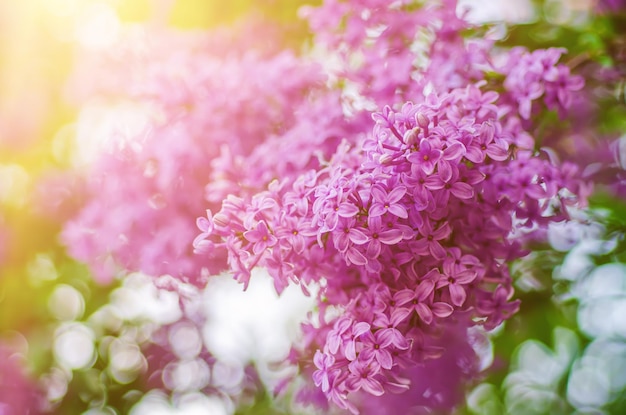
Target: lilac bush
396,187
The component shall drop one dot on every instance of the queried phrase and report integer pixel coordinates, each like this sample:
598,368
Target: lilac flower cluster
409,230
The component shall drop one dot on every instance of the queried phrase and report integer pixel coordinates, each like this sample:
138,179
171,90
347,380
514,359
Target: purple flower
388,325
429,243
378,235
363,376
282,270
497,306
291,234
374,347
348,233
205,224
451,186
420,300
559,87
260,237
455,282
486,144
383,202
335,337
426,157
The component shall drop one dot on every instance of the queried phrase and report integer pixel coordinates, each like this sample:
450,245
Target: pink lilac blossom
411,268
409,229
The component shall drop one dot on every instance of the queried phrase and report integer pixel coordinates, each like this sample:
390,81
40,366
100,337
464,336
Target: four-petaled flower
426,157
421,301
364,376
383,202
261,237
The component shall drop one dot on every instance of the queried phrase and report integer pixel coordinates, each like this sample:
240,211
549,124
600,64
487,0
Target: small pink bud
221,220
422,120
410,137
385,159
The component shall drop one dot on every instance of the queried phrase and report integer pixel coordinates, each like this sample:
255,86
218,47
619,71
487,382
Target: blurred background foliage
546,357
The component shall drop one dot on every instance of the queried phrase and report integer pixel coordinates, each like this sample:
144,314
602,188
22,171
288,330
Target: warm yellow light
97,25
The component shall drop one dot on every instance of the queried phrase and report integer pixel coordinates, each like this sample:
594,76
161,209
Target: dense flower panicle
408,229
403,262
403,48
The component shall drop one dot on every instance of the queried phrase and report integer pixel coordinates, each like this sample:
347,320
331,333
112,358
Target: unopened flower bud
410,137
234,202
422,120
221,220
385,159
